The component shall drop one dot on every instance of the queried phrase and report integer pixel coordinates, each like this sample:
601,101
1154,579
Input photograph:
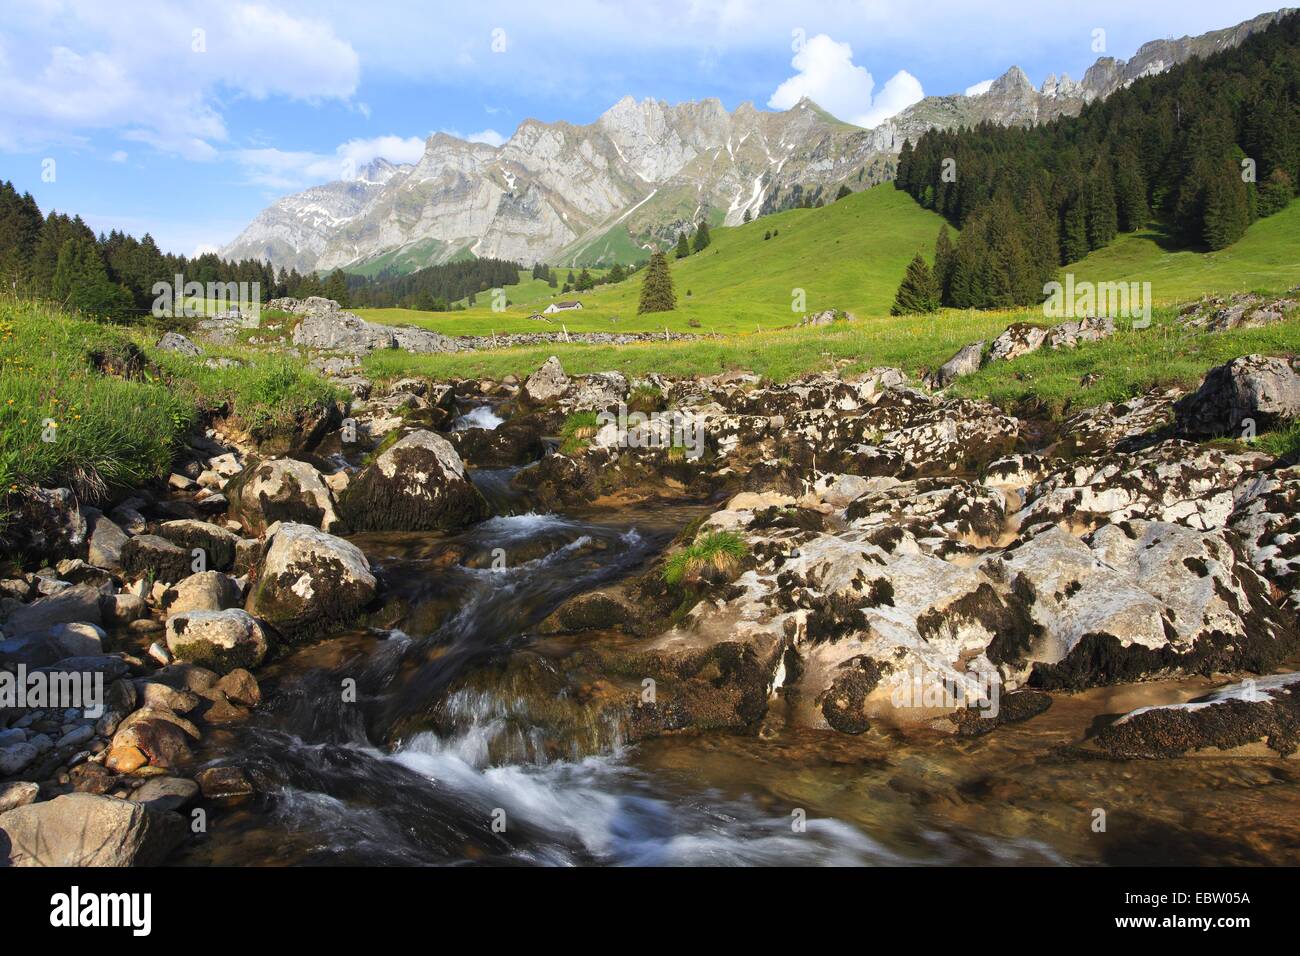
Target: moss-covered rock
419,484
310,583
281,490
218,640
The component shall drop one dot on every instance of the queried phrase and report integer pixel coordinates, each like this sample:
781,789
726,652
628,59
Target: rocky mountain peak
646,169
1012,82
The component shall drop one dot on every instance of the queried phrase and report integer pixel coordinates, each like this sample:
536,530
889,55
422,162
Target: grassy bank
97,408
851,255
848,255
1125,365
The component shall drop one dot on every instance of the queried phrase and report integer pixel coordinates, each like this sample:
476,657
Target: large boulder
597,392
175,342
217,544
205,591
104,548
220,640
149,554
48,523
419,484
281,490
546,384
516,441
1254,388
310,582
336,331
1019,339
82,829
965,362
151,736
78,603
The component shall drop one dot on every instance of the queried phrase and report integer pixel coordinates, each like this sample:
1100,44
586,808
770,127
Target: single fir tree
657,287
945,258
683,246
917,293
702,237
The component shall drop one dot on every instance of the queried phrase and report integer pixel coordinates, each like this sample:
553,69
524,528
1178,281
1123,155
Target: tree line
109,276
437,288
1206,149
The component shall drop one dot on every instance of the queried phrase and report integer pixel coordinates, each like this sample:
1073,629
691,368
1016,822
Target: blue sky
185,118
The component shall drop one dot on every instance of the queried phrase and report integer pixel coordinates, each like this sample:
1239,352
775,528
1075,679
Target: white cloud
489,136
395,149
980,88
828,76
118,156
295,169
159,73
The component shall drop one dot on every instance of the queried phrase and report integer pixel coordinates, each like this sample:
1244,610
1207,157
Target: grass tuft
718,553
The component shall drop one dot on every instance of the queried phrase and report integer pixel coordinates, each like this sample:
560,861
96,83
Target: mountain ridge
644,170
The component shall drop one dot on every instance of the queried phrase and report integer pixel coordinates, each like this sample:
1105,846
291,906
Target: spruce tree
844,191
1276,193
1227,213
917,293
945,258
336,288
702,237
657,287
1074,232
683,247
1103,221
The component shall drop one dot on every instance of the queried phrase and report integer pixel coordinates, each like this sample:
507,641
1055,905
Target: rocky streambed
589,620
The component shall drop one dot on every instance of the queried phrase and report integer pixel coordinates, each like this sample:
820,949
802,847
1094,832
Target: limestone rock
419,484
81,829
547,384
282,490
1257,389
220,640
309,583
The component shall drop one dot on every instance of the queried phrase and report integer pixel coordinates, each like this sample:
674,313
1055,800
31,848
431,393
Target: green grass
720,551
848,255
851,255
914,343
63,422
112,432
1267,257
577,431
1128,364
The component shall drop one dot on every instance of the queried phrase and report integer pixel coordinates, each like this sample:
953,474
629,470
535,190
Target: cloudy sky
185,118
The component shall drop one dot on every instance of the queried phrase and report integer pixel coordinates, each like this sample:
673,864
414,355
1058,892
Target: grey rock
82,829
1254,388
17,794
175,342
220,640
965,362
310,582
548,383
166,793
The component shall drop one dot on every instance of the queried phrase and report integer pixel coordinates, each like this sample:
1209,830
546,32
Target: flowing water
364,781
